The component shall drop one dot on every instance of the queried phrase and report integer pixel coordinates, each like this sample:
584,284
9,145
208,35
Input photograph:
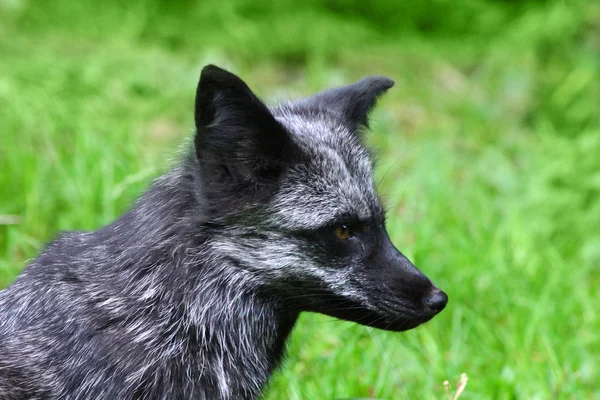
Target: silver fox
193,292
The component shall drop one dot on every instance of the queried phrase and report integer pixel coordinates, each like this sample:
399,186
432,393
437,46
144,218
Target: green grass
489,148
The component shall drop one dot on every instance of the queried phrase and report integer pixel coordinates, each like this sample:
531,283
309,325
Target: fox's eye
343,231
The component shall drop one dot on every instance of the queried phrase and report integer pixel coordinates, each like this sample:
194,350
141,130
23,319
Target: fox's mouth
396,318
398,322
388,321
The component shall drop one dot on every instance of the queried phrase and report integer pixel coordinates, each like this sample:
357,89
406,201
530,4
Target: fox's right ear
352,102
235,131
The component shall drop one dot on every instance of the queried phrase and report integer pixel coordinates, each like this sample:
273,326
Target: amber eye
343,231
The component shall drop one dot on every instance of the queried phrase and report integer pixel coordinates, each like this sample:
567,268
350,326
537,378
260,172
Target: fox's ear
235,131
353,102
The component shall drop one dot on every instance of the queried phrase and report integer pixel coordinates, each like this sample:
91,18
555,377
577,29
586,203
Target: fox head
289,195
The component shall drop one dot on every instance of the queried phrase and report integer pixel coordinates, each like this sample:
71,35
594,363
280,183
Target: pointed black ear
353,102
235,130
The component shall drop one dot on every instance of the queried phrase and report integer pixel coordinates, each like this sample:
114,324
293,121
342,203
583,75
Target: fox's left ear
235,131
353,102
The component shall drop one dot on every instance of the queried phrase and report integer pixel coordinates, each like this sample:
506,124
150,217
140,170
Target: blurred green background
489,158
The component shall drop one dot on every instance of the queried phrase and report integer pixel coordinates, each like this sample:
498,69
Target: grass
488,162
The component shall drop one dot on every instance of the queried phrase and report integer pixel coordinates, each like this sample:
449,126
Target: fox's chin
394,322
397,323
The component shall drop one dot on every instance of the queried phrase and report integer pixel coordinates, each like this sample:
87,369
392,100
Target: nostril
437,300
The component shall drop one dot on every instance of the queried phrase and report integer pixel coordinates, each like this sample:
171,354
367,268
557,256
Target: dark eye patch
323,243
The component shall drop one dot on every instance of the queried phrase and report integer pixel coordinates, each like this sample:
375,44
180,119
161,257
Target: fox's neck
240,339
204,311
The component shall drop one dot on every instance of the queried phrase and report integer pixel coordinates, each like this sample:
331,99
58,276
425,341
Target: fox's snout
408,284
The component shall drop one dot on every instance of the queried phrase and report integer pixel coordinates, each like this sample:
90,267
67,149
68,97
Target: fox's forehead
335,179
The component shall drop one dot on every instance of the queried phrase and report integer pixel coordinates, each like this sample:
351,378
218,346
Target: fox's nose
437,300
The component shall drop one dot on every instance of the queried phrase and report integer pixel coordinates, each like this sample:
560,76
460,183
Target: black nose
437,300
